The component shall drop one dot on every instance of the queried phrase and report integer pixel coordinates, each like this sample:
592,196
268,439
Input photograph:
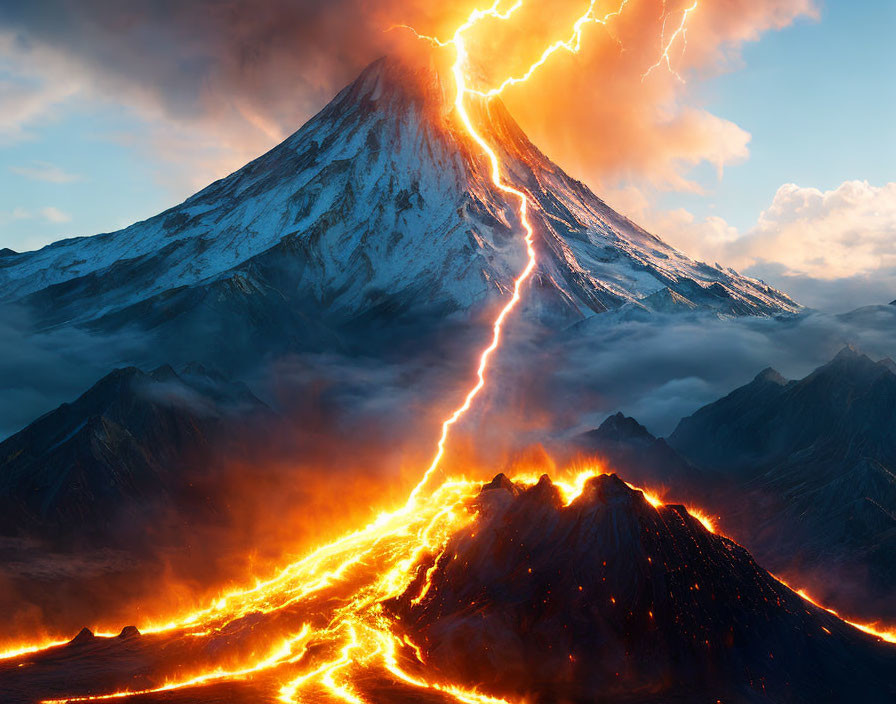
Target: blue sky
817,98
104,185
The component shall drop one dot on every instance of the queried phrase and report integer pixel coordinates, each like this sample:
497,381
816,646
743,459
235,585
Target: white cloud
32,83
55,215
45,171
7,216
848,231
820,243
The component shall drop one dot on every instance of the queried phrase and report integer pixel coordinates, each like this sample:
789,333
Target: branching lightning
458,71
572,45
363,569
681,30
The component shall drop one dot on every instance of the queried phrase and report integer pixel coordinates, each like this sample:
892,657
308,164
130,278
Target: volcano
378,209
379,212
611,599
545,597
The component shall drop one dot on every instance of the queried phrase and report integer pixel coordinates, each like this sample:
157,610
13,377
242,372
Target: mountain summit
379,206
610,599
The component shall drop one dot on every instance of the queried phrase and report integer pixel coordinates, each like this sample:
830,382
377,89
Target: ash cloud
220,82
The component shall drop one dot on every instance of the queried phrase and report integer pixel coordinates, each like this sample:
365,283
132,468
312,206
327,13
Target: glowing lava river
323,629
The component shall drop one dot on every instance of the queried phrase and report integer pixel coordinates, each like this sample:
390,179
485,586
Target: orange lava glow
15,651
882,631
703,518
342,585
284,653
374,564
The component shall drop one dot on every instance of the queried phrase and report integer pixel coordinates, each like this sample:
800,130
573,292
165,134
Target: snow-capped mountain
379,205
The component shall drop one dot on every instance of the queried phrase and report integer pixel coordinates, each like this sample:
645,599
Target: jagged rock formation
610,599
805,473
802,472
626,446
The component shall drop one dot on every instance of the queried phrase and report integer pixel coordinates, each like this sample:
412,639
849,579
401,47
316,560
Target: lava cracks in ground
496,594
612,599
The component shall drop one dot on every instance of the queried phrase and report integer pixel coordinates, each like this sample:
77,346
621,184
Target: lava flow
337,650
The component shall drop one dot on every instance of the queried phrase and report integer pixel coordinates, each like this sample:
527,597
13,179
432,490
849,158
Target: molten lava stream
326,611
347,637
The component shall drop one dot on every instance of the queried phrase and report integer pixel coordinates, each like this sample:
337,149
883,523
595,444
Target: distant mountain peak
852,359
770,375
118,447
619,427
850,351
852,355
164,372
888,364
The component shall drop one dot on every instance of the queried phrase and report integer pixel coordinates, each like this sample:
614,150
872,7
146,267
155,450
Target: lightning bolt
458,71
681,31
572,45
358,632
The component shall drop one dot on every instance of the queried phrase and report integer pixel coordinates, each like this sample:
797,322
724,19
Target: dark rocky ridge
805,475
802,472
101,465
605,600
611,600
846,408
626,446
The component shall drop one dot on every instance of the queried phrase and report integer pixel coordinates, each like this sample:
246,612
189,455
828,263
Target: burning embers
563,590
523,588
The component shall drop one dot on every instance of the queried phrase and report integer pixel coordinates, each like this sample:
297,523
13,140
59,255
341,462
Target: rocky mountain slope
377,208
132,444
629,448
810,468
803,473
605,598
610,599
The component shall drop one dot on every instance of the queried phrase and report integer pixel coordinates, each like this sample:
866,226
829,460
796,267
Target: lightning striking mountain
379,209
314,212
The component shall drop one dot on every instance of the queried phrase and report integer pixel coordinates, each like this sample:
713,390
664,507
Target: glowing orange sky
590,111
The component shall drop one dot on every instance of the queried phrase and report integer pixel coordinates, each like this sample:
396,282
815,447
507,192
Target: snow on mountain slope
379,203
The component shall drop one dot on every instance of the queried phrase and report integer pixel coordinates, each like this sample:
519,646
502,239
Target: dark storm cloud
272,59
